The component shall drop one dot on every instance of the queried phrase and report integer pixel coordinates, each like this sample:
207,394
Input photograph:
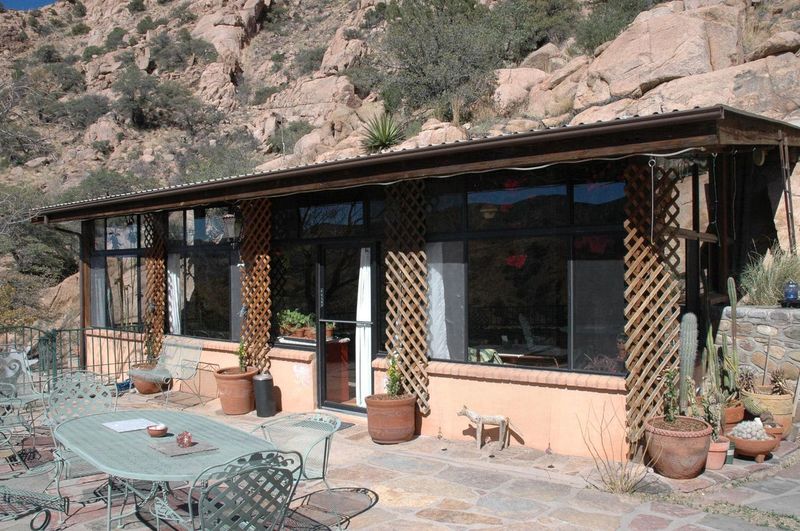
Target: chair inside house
73,395
178,361
252,491
309,434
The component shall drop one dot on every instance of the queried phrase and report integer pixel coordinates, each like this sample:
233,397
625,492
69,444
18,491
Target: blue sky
25,4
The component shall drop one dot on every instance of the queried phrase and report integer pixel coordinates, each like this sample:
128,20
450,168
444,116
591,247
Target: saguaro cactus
688,355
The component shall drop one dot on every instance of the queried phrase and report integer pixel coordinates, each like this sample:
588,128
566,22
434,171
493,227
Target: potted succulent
235,386
391,416
712,403
733,413
776,399
677,444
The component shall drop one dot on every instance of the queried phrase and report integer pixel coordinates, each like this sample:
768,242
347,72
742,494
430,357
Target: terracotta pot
734,414
674,453
236,390
776,431
786,421
391,419
717,452
329,333
309,332
758,450
143,387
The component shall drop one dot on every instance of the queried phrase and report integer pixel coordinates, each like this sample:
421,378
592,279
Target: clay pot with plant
777,399
733,412
391,416
235,386
294,323
677,444
330,328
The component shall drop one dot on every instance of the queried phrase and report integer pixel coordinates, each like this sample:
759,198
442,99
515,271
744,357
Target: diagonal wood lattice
651,291
407,286
154,299
256,292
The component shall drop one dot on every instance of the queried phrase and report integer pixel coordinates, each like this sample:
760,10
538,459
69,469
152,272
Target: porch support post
651,291
407,287
155,291
256,292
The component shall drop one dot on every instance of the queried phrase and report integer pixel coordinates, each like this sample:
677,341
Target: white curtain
175,298
437,315
364,330
98,279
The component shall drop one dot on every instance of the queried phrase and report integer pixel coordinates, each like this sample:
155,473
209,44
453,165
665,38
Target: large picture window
526,269
116,274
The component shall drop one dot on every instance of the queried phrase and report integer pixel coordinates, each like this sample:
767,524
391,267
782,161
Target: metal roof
708,127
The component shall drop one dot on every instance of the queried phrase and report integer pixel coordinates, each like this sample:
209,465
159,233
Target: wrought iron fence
108,352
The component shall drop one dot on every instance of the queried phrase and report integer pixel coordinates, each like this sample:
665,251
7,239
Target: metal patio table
129,455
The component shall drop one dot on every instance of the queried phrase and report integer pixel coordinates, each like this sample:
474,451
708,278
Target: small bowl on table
157,430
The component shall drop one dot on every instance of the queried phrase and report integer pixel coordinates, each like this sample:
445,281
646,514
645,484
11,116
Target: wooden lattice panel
154,296
256,292
651,291
407,286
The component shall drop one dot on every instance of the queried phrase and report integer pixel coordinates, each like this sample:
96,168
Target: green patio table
130,456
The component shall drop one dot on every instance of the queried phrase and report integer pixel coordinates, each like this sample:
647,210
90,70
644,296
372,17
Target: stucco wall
547,408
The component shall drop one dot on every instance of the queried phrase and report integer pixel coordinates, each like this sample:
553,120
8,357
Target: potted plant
733,413
677,444
293,323
776,399
329,330
235,386
391,416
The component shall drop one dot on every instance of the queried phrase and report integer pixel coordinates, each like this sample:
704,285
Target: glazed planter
678,450
758,450
717,452
143,387
236,390
391,419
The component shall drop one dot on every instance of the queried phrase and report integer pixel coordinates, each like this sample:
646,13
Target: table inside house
132,455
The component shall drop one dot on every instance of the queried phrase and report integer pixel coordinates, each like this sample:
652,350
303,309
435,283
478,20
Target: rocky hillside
98,96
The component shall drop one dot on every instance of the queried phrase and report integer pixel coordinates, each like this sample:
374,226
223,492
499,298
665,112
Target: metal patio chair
309,434
179,360
18,393
252,491
72,395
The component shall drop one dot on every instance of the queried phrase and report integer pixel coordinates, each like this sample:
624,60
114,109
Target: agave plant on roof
382,132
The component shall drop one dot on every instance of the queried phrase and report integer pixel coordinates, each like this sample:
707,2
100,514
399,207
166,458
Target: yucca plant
382,132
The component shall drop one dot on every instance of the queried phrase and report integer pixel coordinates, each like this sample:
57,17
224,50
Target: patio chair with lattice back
179,360
73,395
252,491
309,434
18,393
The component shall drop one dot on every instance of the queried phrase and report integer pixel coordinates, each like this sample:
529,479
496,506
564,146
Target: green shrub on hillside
114,38
80,29
91,51
78,9
47,54
67,77
80,112
365,79
230,155
286,136
183,14
607,20
136,6
374,16
309,59
525,25
105,182
150,104
262,94
145,25
172,55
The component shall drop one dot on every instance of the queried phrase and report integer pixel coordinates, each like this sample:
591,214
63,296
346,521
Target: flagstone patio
438,484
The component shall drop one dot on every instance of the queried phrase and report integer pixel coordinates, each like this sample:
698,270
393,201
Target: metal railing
108,352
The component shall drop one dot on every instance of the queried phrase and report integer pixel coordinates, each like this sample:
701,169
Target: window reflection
292,282
516,201
600,203
205,292
122,233
122,291
332,220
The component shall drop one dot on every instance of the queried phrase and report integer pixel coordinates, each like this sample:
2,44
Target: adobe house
538,275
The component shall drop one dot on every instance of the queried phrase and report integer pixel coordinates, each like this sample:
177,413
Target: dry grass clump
764,277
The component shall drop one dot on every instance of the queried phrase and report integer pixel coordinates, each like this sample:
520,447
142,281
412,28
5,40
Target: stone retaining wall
765,328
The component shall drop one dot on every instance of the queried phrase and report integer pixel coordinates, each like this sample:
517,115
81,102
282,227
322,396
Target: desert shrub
392,97
47,54
19,143
262,94
381,132
763,278
80,112
230,155
78,9
352,33
150,104
171,54
374,16
66,77
163,2
136,6
524,25
309,59
114,38
607,19
145,25
80,29
105,182
442,49
103,147
183,14
277,59
91,51
365,79
19,298
286,136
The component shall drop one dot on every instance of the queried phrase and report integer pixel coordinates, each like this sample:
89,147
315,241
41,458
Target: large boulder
216,88
342,52
659,48
767,86
314,100
513,85
434,133
104,129
229,29
781,42
544,58
100,71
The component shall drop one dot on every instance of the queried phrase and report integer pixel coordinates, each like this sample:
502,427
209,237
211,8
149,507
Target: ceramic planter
236,390
143,387
717,452
678,450
758,450
733,415
391,419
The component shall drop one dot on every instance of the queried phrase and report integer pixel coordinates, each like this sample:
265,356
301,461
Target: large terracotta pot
758,450
391,419
236,390
143,387
678,450
717,452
